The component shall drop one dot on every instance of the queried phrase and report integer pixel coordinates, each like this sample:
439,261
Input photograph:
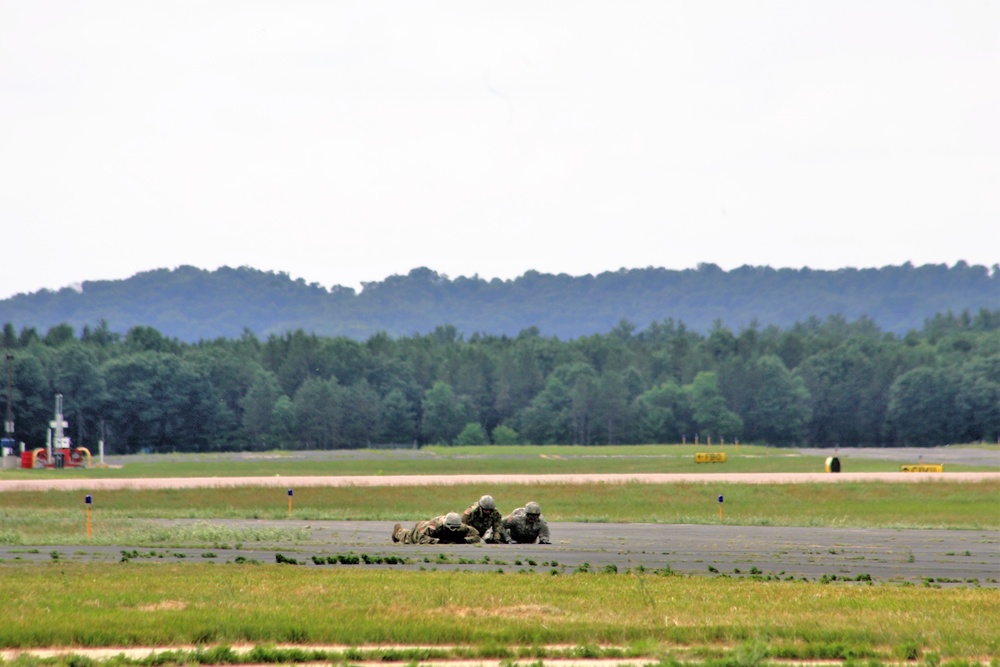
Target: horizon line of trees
827,382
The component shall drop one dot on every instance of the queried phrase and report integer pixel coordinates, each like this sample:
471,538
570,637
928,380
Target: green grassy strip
122,516
535,460
138,604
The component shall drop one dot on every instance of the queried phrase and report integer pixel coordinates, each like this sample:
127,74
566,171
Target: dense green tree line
192,304
820,382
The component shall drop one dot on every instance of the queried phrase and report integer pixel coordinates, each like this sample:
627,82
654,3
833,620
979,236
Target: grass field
497,618
533,460
162,605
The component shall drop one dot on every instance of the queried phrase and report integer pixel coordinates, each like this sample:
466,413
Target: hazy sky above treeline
344,142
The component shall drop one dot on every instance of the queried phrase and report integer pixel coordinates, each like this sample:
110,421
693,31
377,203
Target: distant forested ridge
192,304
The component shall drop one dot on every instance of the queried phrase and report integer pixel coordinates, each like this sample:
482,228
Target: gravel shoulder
437,480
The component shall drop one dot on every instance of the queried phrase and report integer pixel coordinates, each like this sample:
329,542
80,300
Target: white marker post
58,440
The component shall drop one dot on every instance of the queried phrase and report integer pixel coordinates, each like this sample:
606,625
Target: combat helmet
452,521
486,502
532,508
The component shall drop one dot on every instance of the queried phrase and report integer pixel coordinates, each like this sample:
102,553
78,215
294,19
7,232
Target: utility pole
8,425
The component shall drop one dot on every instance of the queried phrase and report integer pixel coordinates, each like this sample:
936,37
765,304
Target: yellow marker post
720,508
289,502
87,501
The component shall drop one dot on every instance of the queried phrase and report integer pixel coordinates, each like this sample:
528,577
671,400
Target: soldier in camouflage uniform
447,529
485,518
525,525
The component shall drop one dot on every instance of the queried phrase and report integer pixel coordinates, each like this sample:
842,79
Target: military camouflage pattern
484,520
435,531
524,528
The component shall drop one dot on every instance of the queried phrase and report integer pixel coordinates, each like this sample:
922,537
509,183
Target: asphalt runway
927,557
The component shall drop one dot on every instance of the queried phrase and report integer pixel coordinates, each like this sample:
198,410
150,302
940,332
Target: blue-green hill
191,304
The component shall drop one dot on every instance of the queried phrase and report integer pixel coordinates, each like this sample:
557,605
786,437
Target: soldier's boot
395,532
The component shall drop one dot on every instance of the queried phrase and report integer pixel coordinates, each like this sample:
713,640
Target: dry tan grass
521,611
165,605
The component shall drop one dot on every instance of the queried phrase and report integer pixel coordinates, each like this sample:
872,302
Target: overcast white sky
344,142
